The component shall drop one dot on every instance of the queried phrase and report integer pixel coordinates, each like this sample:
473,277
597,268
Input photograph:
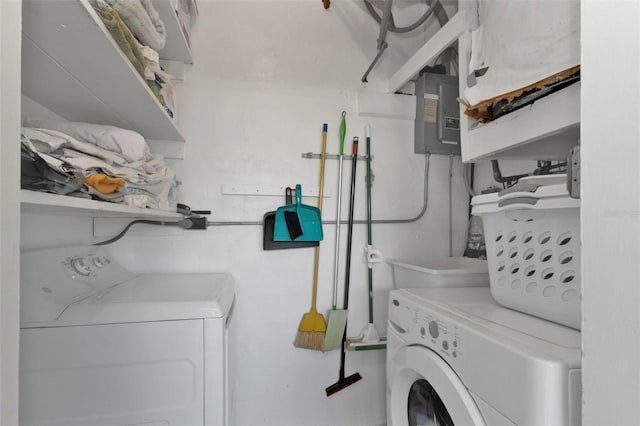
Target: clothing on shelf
142,20
121,156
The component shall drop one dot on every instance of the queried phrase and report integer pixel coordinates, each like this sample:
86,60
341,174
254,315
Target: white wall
610,213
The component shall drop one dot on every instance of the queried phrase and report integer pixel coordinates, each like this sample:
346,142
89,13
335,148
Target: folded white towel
48,141
129,144
84,155
150,182
143,21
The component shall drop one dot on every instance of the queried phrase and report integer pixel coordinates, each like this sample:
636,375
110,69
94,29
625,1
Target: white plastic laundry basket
532,235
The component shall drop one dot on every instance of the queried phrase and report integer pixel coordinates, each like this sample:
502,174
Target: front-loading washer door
424,390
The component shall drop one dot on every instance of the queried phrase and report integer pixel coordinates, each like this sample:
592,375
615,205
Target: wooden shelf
52,204
72,66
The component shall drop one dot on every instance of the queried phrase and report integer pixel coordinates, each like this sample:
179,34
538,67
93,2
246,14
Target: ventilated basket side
534,261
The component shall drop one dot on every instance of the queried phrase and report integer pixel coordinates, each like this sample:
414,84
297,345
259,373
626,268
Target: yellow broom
312,328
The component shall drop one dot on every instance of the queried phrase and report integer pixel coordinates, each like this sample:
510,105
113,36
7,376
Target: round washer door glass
421,385
425,408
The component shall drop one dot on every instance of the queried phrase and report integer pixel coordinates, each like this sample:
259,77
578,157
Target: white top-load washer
100,345
454,356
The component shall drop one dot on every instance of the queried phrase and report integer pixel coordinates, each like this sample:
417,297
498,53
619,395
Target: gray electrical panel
437,129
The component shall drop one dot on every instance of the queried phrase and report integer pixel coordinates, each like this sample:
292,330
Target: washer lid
152,297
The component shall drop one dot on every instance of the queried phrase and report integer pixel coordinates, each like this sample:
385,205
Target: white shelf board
53,204
545,130
177,48
72,66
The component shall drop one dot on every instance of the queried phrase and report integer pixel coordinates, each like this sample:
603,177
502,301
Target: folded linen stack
140,33
116,163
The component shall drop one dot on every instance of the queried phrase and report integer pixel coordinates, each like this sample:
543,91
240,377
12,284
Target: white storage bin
532,236
440,272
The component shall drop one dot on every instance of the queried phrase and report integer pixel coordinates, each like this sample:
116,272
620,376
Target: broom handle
354,163
316,258
323,157
336,258
369,233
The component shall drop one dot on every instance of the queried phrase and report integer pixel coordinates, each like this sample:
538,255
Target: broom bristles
313,340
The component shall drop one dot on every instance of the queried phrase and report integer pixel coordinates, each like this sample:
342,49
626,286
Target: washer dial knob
434,330
100,262
78,265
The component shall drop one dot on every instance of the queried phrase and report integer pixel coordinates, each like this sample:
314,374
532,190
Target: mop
343,381
337,317
369,338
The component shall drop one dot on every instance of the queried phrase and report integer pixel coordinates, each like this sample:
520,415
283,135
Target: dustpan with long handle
337,317
313,327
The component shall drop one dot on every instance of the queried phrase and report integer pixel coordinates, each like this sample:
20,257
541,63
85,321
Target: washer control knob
445,345
434,330
422,331
78,265
100,262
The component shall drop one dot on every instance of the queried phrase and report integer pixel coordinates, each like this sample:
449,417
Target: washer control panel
421,326
88,265
52,279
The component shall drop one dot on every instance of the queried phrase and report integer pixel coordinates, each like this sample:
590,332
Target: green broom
312,328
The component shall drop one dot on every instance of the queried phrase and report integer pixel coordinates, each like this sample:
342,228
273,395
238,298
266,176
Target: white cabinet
545,130
72,66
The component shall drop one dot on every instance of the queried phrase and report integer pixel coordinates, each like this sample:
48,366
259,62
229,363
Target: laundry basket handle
532,201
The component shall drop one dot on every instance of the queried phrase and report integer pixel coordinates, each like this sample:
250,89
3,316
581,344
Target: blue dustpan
298,222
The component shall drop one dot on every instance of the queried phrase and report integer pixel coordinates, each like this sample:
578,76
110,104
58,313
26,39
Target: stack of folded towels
116,163
140,33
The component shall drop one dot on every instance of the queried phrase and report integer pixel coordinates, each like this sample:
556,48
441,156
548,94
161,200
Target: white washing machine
454,356
100,345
